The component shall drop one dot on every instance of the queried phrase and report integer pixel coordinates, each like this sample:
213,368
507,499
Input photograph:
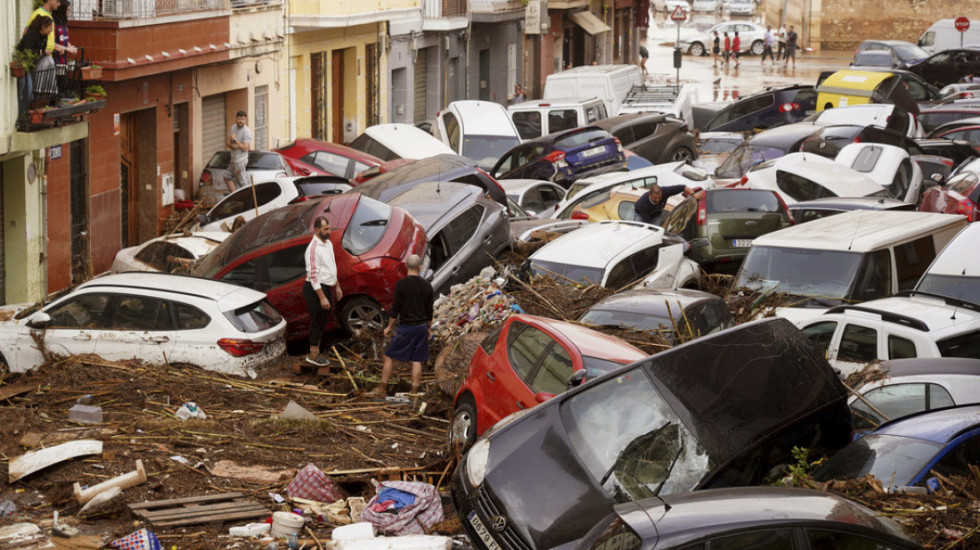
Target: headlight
476,462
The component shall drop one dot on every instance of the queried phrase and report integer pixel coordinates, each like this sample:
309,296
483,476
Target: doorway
337,96
137,177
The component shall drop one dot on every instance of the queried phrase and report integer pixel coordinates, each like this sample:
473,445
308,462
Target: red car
312,156
527,361
371,241
960,195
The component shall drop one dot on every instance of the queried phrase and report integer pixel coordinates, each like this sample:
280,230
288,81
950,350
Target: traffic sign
961,23
679,16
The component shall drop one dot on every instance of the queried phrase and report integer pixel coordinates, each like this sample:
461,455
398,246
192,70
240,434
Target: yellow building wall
346,7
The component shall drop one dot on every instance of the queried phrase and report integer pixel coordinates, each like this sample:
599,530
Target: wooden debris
7,392
125,481
33,461
200,509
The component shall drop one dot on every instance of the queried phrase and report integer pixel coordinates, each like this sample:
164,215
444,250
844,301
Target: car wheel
757,47
696,49
681,153
462,430
362,313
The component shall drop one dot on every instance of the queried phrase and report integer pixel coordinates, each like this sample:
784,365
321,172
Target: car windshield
567,273
486,150
893,460
631,441
628,320
826,274
367,226
745,156
719,146
960,287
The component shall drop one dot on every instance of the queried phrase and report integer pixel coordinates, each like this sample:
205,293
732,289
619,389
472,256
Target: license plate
594,151
741,243
482,532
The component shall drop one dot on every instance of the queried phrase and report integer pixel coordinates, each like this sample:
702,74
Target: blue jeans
25,93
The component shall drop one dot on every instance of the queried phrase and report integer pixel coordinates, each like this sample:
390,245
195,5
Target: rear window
575,139
722,202
162,255
800,188
367,226
567,273
257,317
718,146
263,161
965,345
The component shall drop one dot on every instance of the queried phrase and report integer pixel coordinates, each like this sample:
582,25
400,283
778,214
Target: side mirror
576,378
39,320
543,396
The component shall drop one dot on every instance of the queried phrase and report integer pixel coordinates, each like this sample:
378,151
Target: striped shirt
321,268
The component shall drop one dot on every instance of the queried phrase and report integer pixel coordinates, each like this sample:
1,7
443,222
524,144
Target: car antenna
854,234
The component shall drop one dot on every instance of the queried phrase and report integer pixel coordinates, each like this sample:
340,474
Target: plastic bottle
293,541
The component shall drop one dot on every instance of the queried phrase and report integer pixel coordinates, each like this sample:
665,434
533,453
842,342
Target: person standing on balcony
61,40
47,9
40,79
238,141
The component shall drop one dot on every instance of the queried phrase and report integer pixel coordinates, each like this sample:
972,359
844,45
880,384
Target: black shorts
716,50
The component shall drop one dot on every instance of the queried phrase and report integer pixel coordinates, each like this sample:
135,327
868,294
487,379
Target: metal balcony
102,10
54,96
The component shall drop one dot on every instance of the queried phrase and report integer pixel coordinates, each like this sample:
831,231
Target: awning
588,21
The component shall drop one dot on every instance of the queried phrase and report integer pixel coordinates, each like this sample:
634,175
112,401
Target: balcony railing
53,96
99,10
443,8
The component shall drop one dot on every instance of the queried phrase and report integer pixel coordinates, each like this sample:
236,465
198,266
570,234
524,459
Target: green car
720,226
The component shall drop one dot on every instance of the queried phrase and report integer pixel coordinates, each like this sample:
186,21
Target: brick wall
844,23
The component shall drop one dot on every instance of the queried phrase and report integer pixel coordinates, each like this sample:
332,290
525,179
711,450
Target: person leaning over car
649,207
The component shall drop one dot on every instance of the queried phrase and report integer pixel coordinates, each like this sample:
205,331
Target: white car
617,254
158,318
268,195
671,5
801,177
740,7
538,198
956,270
706,5
167,252
480,130
884,115
890,166
899,327
750,35
399,141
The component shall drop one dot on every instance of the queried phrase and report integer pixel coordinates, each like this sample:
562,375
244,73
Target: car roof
851,203
433,201
482,118
343,150
595,69
226,295
619,121
630,175
590,343
653,301
435,168
938,426
564,102
935,366
921,311
959,257
858,230
406,140
599,244
835,176
198,243
780,135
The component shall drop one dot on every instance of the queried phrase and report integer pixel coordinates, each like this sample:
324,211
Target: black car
723,410
906,52
753,518
665,312
656,137
767,145
445,167
931,117
767,109
563,157
948,66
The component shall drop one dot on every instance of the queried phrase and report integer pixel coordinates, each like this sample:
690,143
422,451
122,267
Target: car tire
361,313
462,429
681,153
696,49
757,47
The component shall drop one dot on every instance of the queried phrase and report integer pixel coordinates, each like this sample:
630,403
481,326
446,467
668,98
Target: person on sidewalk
767,40
321,291
728,48
412,308
238,141
736,48
781,43
791,38
644,55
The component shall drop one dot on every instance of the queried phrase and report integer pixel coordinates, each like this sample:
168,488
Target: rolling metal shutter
213,126
420,79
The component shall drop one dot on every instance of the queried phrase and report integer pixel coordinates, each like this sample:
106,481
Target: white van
956,271
851,257
610,83
942,35
534,119
480,130
399,141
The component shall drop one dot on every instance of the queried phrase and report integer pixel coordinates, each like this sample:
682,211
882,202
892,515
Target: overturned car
725,410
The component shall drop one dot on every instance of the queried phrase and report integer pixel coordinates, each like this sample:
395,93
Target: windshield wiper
629,449
670,469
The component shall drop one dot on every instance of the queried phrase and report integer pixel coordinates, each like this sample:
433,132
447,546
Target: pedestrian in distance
728,48
238,141
520,95
791,39
781,43
715,49
412,309
321,291
649,208
644,55
736,48
767,40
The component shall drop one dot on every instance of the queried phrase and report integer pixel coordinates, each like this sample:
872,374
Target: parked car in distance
535,119
261,166
249,202
167,253
959,195
933,117
906,52
563,157
956,270
309,156
617,254
751,35
397,140
722,410
948,66
905,452
876,58
807,211
899,327
371,242
538,198
159,318
740,7
749,517
910,386
656,137
767,109
966,129
692,313
465,230
479,130
943,34
525,361
706,6
802,177
721,225
714,148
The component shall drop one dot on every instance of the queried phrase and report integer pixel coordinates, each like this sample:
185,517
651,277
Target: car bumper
481,516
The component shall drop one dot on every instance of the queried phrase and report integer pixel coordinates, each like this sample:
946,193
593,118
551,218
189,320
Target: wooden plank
33,461
181,512
216,517
189,500
7,392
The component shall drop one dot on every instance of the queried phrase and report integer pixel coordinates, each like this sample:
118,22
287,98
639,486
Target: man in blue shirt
649,208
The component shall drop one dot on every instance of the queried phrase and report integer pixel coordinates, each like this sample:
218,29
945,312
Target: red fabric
312,484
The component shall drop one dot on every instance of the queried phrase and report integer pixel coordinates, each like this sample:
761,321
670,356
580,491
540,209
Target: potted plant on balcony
95,92
92,72
22,62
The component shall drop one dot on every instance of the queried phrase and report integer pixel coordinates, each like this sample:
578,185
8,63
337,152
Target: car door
139,327
859,344
508,391
280,273
465,255
76,323
822,538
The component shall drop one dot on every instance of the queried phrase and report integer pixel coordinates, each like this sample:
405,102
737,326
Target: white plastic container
285,524
360,530
405,542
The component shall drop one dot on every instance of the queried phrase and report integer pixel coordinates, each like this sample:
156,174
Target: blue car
563,157
902,453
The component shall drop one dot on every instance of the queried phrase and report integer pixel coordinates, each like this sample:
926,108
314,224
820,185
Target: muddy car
724,410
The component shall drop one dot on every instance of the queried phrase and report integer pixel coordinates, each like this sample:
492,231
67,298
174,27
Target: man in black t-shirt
649,208
412,308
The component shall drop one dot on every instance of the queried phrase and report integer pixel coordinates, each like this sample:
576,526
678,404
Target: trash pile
476,305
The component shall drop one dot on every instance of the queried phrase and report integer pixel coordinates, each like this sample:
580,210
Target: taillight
619,144
856,140
702,212
947,162
237,347
579,215
206,177
966,207
787,107
555,157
